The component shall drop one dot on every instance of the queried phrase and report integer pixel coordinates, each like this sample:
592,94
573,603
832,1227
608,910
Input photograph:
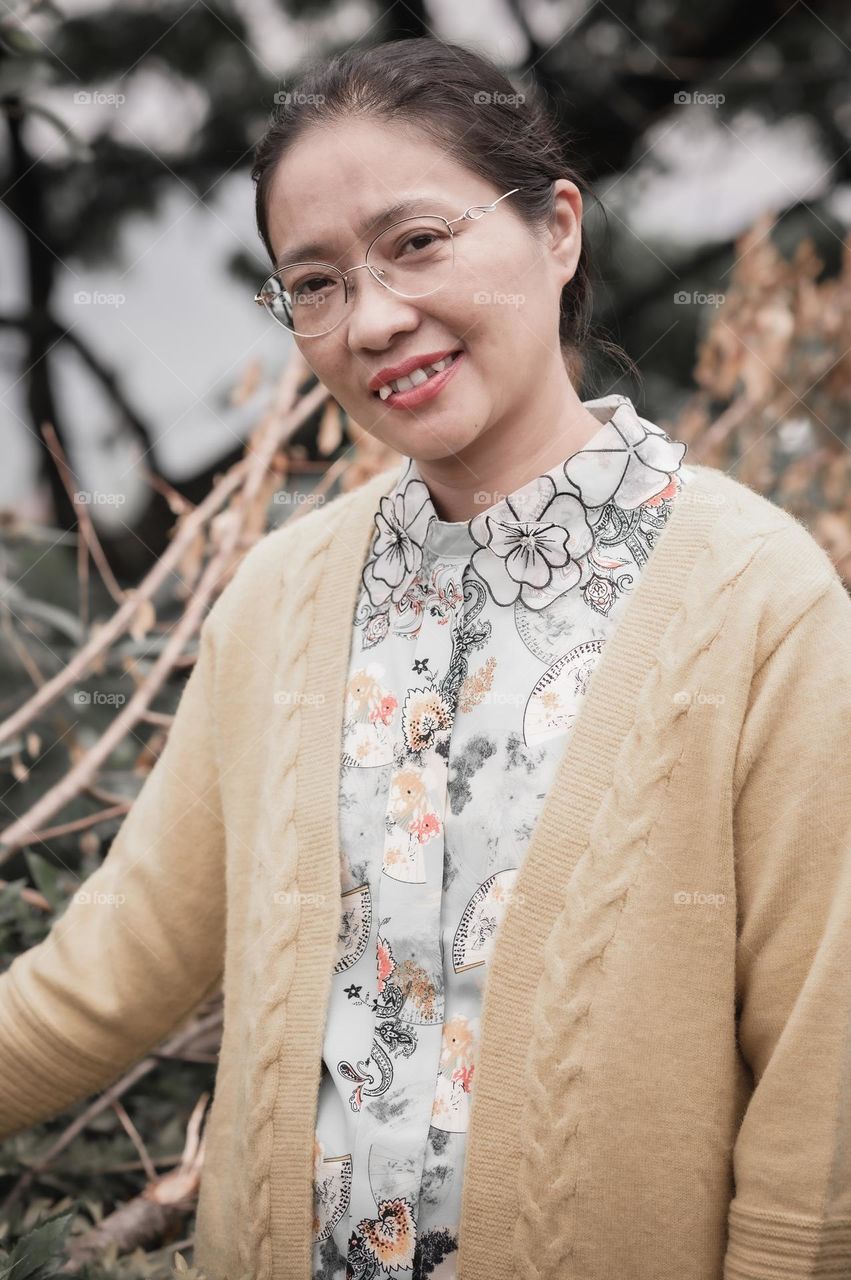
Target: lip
392,372
416,396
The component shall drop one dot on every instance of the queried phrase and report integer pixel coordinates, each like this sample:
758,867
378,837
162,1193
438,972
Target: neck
511,452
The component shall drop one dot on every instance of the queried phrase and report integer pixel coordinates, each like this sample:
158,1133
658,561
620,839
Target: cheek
325,363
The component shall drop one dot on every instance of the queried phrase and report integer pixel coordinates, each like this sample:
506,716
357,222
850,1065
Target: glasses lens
414,257
307,298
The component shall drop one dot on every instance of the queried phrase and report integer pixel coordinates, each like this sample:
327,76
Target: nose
375,313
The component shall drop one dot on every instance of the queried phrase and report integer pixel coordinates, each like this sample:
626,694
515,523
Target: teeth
414,379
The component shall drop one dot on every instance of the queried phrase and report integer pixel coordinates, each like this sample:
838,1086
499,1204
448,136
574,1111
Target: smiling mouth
417,379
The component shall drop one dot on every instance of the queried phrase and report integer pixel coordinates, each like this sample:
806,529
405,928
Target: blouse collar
533,543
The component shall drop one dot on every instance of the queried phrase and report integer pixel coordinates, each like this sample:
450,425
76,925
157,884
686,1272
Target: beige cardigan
664,1074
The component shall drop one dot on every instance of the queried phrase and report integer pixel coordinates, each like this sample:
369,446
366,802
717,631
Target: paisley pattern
472,647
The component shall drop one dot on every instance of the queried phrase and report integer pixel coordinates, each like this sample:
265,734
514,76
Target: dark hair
462,102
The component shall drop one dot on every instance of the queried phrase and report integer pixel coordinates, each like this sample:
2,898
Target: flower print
408,795
600,593
454,1084
386,963
529,544
419,988
384,710
402,521
445,591
457,1046
376,628
363,694
424,713
425,828
390,1238
369,706
476,686
464,1077
626,463
669,491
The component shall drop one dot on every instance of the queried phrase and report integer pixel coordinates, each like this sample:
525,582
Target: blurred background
136,368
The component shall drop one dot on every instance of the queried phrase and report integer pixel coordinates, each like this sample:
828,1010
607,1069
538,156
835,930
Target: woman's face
499,307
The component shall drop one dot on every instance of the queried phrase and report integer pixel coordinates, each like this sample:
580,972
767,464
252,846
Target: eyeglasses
413,257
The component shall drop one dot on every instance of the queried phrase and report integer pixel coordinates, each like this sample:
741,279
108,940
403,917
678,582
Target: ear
566,227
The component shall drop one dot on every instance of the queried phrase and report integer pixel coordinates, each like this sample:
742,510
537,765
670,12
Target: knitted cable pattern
275,918
611,862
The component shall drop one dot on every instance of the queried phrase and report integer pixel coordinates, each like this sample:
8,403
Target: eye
421,236
312,285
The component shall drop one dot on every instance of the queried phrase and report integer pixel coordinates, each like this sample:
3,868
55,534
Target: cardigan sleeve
791,1210
141,942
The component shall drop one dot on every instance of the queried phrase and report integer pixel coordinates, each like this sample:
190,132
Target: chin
427,446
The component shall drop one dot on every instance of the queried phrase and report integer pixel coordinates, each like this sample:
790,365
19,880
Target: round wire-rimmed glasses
311,298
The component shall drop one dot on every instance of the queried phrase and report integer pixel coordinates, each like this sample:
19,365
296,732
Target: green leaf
41,1248
46,876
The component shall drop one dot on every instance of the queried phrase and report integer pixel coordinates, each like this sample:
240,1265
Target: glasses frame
471,214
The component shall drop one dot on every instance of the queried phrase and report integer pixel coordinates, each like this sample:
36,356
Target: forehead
331,185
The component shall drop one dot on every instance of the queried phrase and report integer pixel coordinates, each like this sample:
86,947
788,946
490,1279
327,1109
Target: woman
502,794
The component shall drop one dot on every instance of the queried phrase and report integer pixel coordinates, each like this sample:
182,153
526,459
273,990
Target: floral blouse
472,645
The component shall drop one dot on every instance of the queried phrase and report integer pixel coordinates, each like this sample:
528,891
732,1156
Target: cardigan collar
534,543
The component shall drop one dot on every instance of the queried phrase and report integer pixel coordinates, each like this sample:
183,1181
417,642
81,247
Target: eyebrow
315,251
